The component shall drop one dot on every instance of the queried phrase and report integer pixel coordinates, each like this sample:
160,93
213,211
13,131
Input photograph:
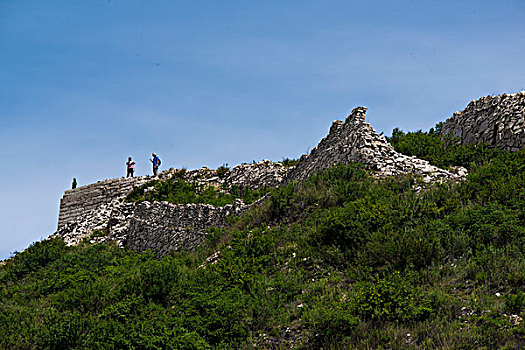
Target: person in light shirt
131,167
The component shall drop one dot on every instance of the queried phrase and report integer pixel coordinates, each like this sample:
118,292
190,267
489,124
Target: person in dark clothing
156,163
74,184
131,167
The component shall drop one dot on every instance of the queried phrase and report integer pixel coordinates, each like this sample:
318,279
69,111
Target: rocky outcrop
354,140
495,120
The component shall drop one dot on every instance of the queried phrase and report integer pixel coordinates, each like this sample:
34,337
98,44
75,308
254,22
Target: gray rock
494,120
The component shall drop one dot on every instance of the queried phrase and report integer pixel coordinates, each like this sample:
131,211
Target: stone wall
163,226
158,226
111,218
494,120
354,140
82,200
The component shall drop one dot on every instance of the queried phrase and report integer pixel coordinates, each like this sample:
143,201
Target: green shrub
331,323
37,256
223,170
440,151
154,279
62,330
392,297
515,302
179,191
341,260
288,162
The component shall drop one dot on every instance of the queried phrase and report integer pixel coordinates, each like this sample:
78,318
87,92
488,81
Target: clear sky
85,84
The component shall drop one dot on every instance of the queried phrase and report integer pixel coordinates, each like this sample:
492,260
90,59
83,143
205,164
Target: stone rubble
493,120
355,140
257,175
264,173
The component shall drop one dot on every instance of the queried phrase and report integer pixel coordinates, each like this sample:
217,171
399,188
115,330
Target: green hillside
342,260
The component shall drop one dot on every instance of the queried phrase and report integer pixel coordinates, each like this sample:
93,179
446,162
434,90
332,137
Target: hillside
348,256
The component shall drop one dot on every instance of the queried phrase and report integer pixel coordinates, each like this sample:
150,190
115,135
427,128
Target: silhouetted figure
156,163
74,184
131,167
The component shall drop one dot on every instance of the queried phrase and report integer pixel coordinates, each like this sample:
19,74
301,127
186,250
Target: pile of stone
264,173
494,120
355,140
257,175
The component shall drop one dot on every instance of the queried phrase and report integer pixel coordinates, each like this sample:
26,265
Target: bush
330,324
341,260
223,170
515,302
393,298
288,162
37,256
440,151
179,191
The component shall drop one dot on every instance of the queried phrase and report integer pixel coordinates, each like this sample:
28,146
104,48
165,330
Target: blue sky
85,84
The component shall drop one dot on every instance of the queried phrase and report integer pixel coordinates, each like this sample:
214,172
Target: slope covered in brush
342,259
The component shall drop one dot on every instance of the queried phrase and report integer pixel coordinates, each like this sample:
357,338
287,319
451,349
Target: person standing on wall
74,184
131,167
156,163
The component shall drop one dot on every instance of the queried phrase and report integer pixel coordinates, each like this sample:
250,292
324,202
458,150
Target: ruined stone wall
163,226
82,200
264,173
494,120
158,226
354,140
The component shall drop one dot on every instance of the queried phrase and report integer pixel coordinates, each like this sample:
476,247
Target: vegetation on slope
342,260
441,151
179,191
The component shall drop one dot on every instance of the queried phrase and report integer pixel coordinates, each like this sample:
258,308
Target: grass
179,191
341,260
